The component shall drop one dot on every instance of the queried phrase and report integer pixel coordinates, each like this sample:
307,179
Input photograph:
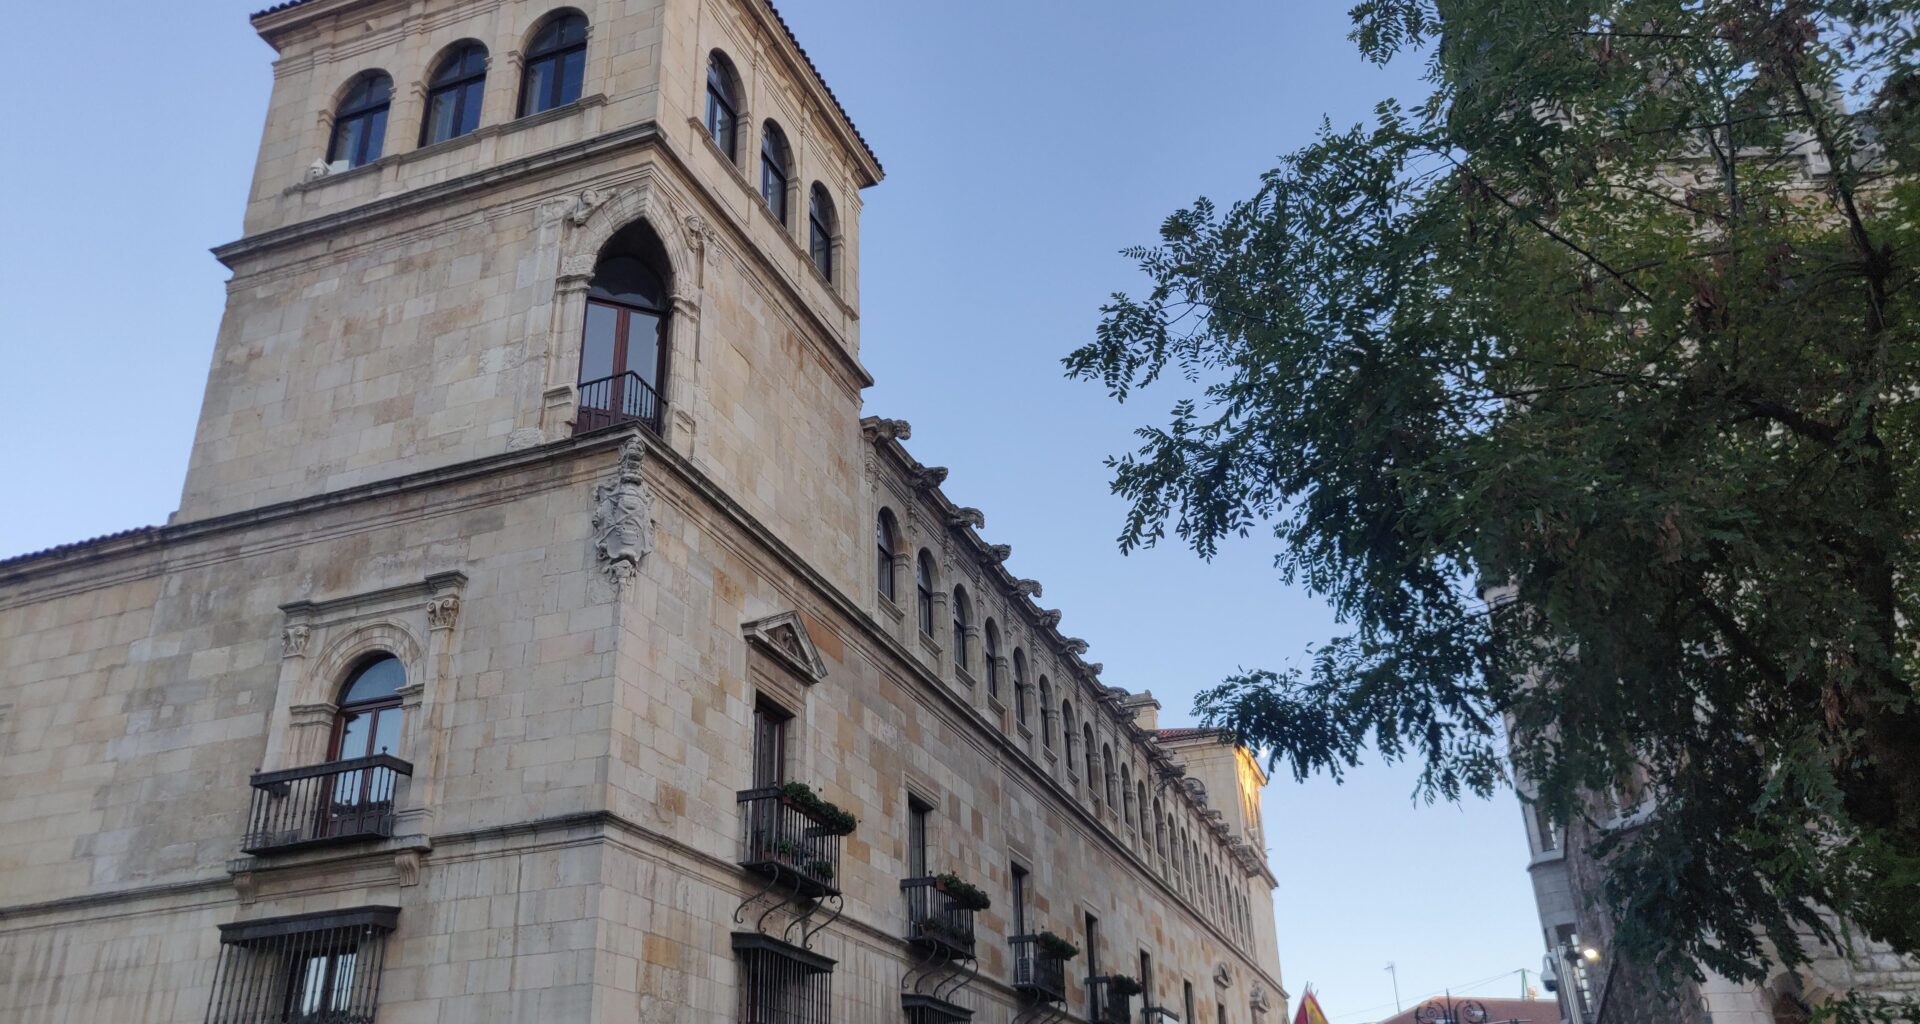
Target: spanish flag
1310,1012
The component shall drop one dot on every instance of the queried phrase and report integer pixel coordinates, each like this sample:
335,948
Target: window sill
963,676
930,645
893,611
485,131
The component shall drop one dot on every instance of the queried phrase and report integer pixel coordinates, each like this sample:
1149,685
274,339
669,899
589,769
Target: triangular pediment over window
784,637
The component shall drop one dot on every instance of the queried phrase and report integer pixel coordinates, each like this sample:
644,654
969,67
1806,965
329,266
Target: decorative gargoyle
1026,588
967,517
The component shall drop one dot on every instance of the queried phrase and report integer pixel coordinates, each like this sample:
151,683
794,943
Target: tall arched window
1126,794
821,227
1140,801
1107,773
723,105
923,582
1020,686
962,618
368,721
556,62
623,352
776,170
360,121
1046,714
886,540
453,94
1093,763
990,658
1066,732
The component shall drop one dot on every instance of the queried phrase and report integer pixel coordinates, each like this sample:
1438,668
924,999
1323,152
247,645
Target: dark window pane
536,94
470,106
629,281
573,67
596,349
643,347
376,681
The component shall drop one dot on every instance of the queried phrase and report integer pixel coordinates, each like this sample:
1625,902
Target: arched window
1020,686
723,105
923,582
962,618
368,721
1093,764
990,658
1046,714
1066,732
776,170
453,94
821,225
360,121
886,541
1140,801
556,62
1106,766
623,352
1126,794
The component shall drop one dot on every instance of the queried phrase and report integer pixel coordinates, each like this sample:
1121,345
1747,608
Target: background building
543,633
1594,986
1466,1010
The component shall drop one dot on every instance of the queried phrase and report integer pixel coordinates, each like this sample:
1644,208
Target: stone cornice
888,435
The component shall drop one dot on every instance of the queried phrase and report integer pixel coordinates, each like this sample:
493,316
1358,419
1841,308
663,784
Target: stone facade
1597,987
387,466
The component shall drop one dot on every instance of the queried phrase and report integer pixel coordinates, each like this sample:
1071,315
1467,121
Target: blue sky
1025,144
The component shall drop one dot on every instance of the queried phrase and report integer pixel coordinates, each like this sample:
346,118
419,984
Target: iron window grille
929,1010
780,983
1109,1006
319,968
339,802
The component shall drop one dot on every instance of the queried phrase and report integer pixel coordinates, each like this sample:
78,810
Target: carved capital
442,611
700,236
583,206
293,641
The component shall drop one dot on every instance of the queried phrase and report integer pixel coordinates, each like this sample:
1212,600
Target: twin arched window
990,658
962,618
454,94
1093,764
723,105
821,225
360,121
1020,686
1046,714
556,63
886,540
923,582
776,170
555,68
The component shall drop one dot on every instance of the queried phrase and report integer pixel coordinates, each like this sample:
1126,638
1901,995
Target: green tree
1617,323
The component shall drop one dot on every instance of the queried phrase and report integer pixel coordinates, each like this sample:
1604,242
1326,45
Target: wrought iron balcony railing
338,802
788,843
1035,974
621,398
1110,1006
935,921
